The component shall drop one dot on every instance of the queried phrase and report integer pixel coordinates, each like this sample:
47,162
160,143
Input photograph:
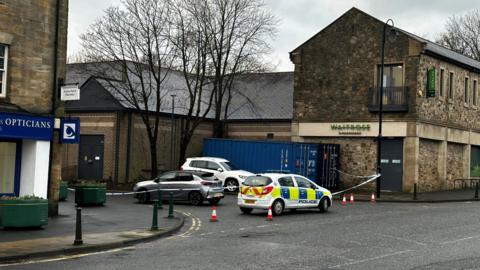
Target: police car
282,191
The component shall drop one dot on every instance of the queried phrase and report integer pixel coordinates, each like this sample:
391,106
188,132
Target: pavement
120,222
458,195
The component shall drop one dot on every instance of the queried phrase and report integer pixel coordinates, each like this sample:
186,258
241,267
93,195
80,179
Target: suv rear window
257,181
198,164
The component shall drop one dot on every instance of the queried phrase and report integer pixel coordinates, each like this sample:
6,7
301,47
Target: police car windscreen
257,181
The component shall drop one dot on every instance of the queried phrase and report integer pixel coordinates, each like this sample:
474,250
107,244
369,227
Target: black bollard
78,228
415,191
170,205
155,218
476,190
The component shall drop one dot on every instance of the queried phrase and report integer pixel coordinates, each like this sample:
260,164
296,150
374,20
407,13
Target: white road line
401,239
460,240
372,259
62,258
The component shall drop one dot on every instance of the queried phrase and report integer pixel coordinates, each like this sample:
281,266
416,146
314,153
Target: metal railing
395,99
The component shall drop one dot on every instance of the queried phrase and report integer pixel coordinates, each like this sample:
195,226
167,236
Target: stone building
33,37
431,116
114,146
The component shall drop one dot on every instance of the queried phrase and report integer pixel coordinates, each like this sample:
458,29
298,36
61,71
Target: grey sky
300,19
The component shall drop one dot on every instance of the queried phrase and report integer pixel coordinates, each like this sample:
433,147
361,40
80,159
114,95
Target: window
442,82
257,181
3,70
392,75
475,94
212,165
169,176
7,168
229,166
199,164
184,176
286,181
304,183
465,91
450,85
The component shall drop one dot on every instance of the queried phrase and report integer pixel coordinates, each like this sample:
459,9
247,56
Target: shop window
442,82
475,161
3,70
8,151
392,75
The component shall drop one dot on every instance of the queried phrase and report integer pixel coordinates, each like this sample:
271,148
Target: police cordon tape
373,177
353,175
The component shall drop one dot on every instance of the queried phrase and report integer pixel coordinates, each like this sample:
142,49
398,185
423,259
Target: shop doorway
90,163
10,152
392,164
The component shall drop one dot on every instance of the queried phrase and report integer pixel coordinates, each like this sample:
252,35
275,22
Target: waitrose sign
17,126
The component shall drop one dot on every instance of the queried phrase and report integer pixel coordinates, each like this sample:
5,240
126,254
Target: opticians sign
18,126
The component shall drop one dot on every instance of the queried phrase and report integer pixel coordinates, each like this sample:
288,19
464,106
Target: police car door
288,191
306,192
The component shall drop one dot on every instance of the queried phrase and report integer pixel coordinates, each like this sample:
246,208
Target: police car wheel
246,211
277,207
323,205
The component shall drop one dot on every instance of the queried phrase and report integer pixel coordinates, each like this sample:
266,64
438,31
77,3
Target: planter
23,213
90,195
63,192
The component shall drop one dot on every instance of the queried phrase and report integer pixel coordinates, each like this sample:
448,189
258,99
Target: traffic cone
213,218
269,215
351,198
344,200
372,198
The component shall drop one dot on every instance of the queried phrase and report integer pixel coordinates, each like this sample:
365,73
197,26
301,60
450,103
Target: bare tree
237,33
462,34
133,40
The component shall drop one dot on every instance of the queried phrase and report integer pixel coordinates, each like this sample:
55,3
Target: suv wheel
231,184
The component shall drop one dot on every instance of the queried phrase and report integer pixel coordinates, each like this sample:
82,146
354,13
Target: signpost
70,92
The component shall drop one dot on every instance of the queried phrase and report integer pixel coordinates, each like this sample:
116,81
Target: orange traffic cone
344,200
269,215
213,218
372,198
351,198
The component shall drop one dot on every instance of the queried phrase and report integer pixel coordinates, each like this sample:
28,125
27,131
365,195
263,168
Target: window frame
451,85
442,82
286,177
4,70
466,90
387,65
475,93
312,185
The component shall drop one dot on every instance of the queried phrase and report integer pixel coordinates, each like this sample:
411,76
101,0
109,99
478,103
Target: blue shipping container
268,156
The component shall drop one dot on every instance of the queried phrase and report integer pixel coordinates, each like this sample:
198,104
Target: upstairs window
3,70
475,93
442,82
450,85
392,75
465,91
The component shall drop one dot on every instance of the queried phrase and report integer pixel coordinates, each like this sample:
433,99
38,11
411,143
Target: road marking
194,227
62,258
460,240
372,259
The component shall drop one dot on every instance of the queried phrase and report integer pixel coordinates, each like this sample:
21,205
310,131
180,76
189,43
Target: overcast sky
300,19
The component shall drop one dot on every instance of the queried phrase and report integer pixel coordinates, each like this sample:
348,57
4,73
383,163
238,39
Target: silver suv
192,186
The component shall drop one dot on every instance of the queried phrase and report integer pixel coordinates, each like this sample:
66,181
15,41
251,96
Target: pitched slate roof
255,96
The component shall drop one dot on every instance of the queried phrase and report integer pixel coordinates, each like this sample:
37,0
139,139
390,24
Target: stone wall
455,161
441,109
28,28
357,157
428,176
335,69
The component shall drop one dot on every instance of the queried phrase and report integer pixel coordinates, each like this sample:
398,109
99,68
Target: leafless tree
133,40
238,33
462,34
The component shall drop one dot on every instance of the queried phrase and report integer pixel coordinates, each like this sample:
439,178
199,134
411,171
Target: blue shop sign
70,131
17,126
